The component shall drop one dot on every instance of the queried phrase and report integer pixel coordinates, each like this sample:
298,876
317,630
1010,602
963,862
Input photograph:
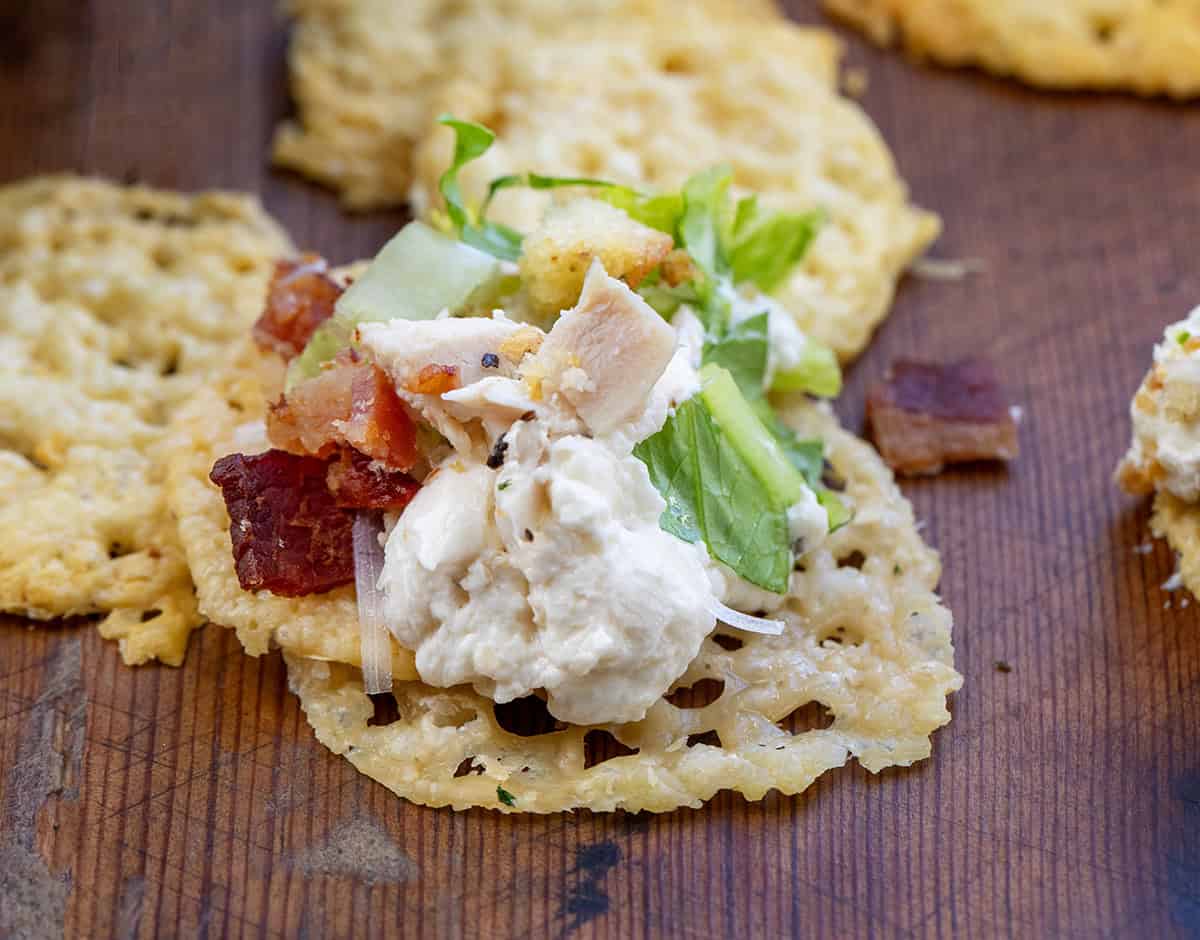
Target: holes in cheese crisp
148,615
813,716
730,643
855,559
468,767
454,717
842,635
702,693
599,746
386,709
526,717
711,738
678,63
1103,30
831,479
117,550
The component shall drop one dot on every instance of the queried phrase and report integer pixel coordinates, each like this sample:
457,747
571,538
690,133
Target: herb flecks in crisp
505,797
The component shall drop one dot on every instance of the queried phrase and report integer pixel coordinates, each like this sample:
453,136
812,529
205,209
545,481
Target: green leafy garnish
714,497
661,211
766,245
472,141
505,797
538,181
818,373
742,350
808,456
707,220
1183,337
727,481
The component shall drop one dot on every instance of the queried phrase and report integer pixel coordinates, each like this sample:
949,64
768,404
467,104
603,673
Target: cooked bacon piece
351,402
289,535
300,298
925,415
433,379
357,482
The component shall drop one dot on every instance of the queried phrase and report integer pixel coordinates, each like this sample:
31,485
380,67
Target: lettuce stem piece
817,373
750,438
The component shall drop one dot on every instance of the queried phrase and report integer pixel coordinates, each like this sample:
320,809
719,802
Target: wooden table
1064,800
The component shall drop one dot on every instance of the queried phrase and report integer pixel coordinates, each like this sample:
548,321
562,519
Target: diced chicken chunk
605,355
474,346
556,257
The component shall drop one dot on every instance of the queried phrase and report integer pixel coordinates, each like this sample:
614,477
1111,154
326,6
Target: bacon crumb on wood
926,415
289,535
300,298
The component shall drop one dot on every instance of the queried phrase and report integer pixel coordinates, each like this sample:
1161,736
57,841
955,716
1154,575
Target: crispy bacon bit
434,379
925,415
357,482
289,535
352,402
300,298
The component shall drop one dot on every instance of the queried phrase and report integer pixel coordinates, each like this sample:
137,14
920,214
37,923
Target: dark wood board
1064,799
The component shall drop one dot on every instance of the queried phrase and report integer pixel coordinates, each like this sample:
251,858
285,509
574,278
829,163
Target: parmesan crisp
115,304
1151,47
871,644
644,93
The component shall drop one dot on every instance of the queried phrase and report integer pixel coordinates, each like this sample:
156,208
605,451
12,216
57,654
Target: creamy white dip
532,559
1170,433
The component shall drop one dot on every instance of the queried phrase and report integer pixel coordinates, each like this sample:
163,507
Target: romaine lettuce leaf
713,496
767,245
472,141
742,350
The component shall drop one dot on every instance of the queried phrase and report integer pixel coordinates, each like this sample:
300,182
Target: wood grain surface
1064,799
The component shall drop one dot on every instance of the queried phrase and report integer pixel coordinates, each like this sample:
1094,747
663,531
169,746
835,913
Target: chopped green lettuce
759,448
742,350
713,496
659,211
472,141
818,373
767,245
419,273
704,228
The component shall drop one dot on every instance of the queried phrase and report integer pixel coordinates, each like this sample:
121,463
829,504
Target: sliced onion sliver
376,641
747,622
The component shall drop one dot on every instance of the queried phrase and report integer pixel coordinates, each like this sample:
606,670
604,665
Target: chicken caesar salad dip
1165,453
547,462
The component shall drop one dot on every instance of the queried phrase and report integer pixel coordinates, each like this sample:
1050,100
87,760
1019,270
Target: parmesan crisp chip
115,304
870,643
644,93
1151,47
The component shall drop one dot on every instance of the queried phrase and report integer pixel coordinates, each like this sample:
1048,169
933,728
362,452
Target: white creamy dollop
532,559
1166,412
551,573
549,570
